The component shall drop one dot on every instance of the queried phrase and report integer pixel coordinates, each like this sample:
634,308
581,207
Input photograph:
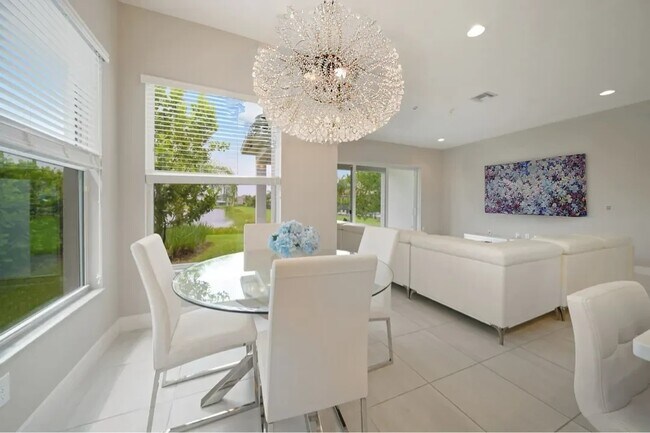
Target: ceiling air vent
483,96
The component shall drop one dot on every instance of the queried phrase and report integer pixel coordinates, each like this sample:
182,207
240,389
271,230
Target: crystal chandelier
335,78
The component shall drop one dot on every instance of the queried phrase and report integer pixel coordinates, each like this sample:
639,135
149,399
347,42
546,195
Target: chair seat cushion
633,417
203,332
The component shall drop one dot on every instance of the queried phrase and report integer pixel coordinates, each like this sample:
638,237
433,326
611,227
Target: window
211,169
50,161
40,235
378,196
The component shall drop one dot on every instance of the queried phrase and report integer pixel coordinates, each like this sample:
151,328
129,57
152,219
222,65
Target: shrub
186,239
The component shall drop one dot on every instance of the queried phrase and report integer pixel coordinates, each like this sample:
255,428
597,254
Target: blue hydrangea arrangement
292,238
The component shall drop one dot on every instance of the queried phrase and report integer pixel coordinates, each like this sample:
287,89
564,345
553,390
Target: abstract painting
551,186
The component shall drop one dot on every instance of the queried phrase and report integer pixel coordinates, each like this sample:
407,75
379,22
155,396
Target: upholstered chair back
318,333
256,236
382,242
605,319
157,273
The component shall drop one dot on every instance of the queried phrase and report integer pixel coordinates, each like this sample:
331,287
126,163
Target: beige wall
429,162
37,368
617,144
166,47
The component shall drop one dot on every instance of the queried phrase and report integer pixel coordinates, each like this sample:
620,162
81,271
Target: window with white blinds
49,74
209,133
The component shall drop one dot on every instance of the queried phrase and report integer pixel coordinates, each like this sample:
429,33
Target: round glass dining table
241,282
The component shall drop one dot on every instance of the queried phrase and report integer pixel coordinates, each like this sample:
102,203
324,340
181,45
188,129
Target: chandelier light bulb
335,78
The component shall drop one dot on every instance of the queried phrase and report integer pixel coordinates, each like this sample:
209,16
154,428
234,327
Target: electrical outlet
4,390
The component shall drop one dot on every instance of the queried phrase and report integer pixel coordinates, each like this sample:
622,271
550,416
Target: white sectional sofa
588,260
502,285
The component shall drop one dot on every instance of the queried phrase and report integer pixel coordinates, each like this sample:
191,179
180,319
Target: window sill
43,321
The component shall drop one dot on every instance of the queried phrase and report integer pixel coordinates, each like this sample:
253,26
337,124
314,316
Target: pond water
216,218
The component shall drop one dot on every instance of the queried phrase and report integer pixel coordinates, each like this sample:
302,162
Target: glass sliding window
344,193
40,235
369,196
213,169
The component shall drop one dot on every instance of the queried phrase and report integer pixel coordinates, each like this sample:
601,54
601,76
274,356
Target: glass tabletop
240,282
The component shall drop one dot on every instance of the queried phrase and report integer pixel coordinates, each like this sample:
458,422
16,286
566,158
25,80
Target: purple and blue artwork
551,186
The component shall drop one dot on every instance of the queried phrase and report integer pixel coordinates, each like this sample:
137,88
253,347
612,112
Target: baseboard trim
642,270
135,322
41,418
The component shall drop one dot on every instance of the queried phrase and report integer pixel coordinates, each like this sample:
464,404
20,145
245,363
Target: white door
402,201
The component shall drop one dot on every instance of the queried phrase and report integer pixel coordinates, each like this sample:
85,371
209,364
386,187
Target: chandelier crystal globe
335,78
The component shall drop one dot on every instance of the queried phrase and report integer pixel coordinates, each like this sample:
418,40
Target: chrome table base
236,373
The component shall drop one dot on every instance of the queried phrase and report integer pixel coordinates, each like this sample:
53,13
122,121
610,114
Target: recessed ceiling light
607,92
415,107
441,140
476,30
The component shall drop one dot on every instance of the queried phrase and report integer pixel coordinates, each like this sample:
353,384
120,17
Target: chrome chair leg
198,374
364,415
389,337
152,403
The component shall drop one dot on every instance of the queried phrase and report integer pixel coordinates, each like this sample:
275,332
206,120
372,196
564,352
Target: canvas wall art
551,186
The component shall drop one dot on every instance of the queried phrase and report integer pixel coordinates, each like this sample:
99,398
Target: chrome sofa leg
152,403
559,314
364,415
409,292
501,332
389,338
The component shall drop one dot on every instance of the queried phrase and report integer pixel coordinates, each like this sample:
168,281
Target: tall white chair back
256,236
317,353
608,376
157,274
382,242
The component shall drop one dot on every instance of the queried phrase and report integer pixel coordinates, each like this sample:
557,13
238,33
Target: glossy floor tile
496,404
547,381
449,374
555,347
423,409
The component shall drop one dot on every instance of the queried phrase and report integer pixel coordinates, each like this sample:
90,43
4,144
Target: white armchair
612,385
315,354
256,236
381,242
179,338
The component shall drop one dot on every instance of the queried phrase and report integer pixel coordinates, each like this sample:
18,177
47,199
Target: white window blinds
49,75
204,132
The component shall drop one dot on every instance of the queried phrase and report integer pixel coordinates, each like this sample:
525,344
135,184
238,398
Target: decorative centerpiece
294,239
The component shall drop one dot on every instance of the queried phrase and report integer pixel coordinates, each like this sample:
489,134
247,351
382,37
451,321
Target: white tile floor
450,374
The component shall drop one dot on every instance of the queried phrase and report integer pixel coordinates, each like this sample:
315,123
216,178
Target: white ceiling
546,59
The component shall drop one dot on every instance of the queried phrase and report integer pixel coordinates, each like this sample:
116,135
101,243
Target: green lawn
20,296
225,240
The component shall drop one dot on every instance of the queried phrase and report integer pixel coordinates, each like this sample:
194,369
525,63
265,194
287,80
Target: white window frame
23,141
153,176
385,193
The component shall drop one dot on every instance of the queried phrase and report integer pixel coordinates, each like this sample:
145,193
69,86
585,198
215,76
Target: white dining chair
182,337
381,242
256,236
612,385
315,353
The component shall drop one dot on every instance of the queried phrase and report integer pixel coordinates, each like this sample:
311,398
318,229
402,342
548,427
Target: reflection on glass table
240,282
